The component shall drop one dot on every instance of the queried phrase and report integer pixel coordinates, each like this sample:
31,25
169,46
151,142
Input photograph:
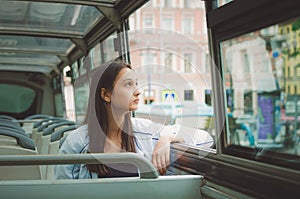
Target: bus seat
38,116
9,139
28,122
38,132
167,187
22,140
50,122
30,172
50,129
27,125
37,124
23,145
20,131
43,138
54,147
42,121
7,117
147,185
57,135
4,122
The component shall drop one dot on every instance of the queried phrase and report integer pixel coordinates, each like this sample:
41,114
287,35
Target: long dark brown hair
97,117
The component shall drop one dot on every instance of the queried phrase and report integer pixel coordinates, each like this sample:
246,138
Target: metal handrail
145,167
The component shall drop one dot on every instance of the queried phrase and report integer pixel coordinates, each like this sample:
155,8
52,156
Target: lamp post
149,75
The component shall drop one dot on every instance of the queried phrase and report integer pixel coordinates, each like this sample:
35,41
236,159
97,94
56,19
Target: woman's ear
105,95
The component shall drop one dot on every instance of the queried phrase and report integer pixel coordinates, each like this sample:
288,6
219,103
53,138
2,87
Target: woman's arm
180,134
165,135
161,152
75,143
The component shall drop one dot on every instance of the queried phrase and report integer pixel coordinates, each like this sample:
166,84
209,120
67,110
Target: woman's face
125,95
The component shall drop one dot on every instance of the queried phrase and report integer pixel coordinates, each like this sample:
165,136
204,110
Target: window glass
81,93
188,63
168,3
223,2
108,51
172,61
75,72
148,21
192,4
187,3
188,95
187,24
95,55
48,16
82,65
168,60
261,73
59,105
16,98
168,22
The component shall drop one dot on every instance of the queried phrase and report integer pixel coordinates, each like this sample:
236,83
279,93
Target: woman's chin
134,108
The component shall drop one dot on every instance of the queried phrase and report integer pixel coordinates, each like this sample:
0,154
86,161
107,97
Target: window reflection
173,64
263,71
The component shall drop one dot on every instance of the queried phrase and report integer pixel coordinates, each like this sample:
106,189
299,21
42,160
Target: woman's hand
161,154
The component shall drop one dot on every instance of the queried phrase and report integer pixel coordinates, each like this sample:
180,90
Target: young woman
109,127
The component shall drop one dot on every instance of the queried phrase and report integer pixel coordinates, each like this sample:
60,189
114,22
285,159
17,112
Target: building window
149,62
168,60
148,21
192,4
169,3
187,3
187,63
187,25
297,72
208,97
248,103
167,22
245,61
188,95
292,71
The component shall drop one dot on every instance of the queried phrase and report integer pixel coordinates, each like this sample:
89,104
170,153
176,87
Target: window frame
236,167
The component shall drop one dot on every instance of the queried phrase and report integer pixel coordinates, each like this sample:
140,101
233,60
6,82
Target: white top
146,133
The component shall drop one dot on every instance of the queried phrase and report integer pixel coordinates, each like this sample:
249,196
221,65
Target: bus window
109,48
17,98
81,93
262,65
172,65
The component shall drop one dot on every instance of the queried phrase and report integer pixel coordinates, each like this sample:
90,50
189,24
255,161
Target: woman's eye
129,84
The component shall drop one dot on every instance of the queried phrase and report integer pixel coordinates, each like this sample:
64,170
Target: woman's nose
137,91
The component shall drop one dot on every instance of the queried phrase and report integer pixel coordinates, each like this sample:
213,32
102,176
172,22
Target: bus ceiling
45,36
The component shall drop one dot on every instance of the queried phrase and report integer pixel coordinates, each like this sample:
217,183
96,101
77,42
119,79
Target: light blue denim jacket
146,132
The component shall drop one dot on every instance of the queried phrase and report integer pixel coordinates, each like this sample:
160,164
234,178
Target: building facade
169,49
